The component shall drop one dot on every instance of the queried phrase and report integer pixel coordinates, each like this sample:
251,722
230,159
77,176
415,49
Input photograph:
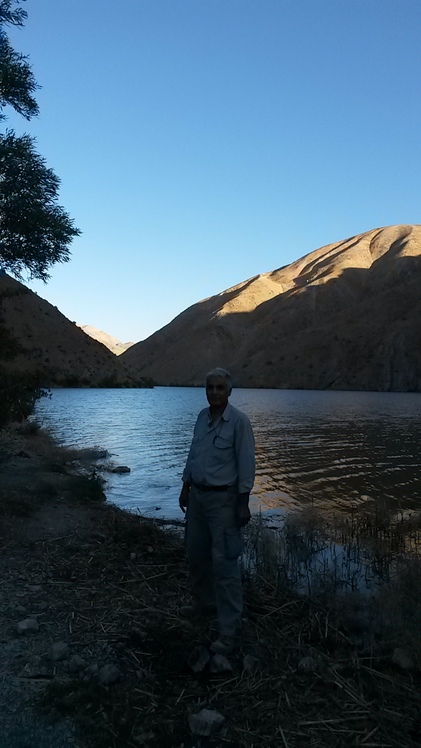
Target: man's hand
243,511
184,497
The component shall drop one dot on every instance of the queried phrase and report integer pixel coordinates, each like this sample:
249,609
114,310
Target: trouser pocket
233,542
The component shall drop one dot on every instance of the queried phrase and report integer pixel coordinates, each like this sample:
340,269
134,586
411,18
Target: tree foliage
17,82
35,232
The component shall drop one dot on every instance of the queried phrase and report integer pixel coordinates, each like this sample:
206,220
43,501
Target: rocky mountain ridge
113,344
346,316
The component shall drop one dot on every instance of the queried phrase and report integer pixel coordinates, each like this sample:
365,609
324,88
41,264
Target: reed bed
313,685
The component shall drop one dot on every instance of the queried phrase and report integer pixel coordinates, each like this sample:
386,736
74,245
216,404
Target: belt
210,488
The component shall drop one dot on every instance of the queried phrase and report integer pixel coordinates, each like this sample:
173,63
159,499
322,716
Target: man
217,481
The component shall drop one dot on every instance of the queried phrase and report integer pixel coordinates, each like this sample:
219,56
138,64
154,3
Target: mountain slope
346,316
109,341
54,346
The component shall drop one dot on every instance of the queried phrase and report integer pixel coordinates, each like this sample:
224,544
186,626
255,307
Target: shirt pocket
224,442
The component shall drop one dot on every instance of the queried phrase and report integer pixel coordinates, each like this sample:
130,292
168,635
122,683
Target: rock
92,671
34,672
198,659
109,674
308,664
59,651
20,609
149,549
92,453
250,664
42,605
137,636
402,659
142,674
121,469
206,722
76,663
34,588
133,557
28,626
220,664
186,625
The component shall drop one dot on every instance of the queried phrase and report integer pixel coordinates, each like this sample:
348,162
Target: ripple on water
319,448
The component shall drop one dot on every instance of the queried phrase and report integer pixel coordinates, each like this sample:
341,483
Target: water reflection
332,450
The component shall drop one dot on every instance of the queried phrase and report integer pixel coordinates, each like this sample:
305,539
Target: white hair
218,372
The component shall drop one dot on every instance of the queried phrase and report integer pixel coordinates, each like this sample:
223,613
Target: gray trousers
213,543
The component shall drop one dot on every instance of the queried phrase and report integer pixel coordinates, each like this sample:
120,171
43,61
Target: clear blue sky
200,142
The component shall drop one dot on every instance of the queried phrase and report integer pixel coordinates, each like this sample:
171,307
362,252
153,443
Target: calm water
329,449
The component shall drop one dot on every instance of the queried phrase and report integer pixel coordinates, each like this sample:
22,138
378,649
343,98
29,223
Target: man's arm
243,511
184,497
244,452
244,448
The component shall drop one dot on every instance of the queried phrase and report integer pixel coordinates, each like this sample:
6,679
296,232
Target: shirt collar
225,415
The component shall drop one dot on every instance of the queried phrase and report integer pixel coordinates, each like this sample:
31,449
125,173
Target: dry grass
366,570
125,609
116,591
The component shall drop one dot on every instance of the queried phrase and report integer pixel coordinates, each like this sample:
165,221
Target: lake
331,450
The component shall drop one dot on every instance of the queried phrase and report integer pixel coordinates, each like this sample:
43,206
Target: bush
18,395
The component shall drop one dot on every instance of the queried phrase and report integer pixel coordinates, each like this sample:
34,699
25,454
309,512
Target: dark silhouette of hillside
51,346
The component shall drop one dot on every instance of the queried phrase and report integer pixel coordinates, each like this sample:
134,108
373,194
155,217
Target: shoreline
107,660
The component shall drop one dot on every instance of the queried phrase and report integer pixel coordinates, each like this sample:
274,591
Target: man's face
217,392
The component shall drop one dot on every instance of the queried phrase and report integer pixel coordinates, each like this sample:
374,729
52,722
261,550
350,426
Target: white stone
28,626
76,663
402,659
206,722
220,664
109,674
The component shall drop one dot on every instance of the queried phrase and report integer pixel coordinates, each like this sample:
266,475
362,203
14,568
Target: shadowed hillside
346,316
52,345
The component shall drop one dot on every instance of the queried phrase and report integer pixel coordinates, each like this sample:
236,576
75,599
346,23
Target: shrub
19,393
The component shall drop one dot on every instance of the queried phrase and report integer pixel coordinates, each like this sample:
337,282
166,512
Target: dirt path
35,516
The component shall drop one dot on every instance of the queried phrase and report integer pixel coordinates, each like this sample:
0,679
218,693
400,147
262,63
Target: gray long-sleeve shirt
222,453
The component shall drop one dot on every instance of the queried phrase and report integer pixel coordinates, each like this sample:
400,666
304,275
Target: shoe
224,645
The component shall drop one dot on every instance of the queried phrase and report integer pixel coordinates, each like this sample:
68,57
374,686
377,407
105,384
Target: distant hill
55,347
346,316
111,343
